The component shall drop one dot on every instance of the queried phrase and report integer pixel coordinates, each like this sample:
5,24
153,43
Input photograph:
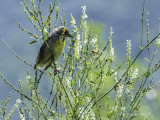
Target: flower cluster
84,12
129,48
135,73
120,91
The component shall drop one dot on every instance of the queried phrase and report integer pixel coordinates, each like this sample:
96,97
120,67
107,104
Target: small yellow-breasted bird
52,49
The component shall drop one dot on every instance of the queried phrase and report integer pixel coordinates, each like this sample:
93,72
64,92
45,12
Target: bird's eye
66,32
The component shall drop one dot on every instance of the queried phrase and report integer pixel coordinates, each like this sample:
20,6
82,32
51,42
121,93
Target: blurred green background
123,15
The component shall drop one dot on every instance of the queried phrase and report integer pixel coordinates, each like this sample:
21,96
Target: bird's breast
57,48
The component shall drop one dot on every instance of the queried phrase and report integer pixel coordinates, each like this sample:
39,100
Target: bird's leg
37,80
56,71
48,66
49,60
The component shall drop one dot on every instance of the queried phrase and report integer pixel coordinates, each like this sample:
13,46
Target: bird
52,48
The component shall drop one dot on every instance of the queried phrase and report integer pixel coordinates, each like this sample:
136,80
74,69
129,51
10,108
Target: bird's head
62,31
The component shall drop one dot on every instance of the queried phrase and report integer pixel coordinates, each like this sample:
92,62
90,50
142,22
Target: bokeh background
123,15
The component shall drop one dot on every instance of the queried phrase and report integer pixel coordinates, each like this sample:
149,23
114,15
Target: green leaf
130,86
155,44
96,73
46,23
127,116
32,42
148,74
110,60
141,47
108,72
91,82
45,32
147,60
81,103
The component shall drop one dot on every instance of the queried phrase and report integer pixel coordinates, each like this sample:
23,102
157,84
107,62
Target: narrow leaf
32,42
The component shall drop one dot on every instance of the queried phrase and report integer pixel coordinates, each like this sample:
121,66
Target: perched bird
52,49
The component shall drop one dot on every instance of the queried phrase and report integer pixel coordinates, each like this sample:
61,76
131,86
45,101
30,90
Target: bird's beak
69,35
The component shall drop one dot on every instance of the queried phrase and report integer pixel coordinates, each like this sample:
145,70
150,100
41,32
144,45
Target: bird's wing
40,54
